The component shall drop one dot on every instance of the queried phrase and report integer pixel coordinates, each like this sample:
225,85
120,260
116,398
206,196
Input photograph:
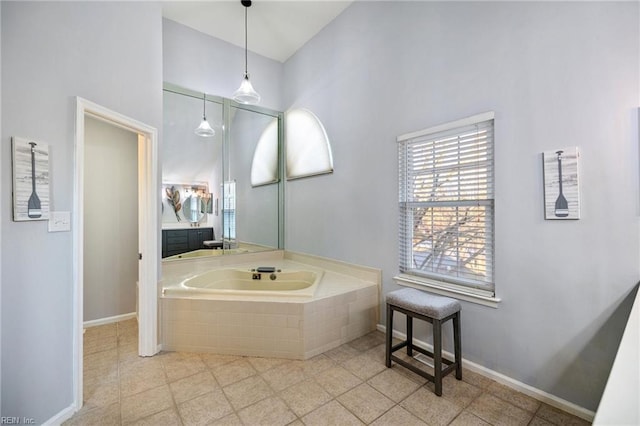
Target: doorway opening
147,231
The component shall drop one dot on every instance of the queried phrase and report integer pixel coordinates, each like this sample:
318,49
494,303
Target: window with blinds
446,204
229,210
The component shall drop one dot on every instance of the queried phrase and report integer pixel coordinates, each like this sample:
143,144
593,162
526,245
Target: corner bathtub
249,282
313,305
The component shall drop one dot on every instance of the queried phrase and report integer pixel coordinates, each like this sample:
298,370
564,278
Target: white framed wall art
561,188
30,180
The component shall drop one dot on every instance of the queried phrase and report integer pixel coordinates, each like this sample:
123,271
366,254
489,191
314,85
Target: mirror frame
227,104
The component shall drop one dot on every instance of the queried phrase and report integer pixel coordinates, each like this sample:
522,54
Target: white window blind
446,203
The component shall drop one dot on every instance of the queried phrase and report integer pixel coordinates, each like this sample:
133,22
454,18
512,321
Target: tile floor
346,386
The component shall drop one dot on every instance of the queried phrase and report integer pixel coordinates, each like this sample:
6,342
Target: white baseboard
538,394
61,417
110,320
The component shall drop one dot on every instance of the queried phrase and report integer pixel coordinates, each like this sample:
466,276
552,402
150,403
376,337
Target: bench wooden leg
409,335
389,335
437,356
457,345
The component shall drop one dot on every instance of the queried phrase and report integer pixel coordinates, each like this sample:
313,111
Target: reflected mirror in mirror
264,167
251,135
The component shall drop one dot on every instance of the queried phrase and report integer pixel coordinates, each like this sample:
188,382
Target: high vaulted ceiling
276,29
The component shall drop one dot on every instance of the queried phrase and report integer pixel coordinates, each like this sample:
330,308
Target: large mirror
210,203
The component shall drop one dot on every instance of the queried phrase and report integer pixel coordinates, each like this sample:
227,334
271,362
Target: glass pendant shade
204,129
246,93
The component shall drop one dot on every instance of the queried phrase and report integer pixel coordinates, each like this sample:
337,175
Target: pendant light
204,129
246,94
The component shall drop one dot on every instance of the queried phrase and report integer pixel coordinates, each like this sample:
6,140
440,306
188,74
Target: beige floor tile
467,419
233,372
378,353
248,391
283,376
168,417
305,397
205,408
337,380
315,365
537,421
558,417
141,366
178,368
364,367
128,338
365,402
103,359
127,331
148,376
342,353
100,375
476,379
368,341
457,391
498,412
332,413
98,416
398,416
99,345
230,420
263,364
393,384
128,353
269,412
101,394
127,325
214,361
143,404
410,374
184,388
193,386
100,331
514,397
430,408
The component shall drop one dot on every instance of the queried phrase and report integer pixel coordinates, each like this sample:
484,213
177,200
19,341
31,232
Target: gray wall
203,63
556,75
108,53
110,220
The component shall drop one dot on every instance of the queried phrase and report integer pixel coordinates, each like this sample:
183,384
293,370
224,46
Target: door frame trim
147,234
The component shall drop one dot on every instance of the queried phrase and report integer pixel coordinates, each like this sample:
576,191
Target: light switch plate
59,221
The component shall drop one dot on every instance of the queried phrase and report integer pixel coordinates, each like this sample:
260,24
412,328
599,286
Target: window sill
434,287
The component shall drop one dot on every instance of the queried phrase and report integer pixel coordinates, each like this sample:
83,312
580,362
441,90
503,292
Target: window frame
473,291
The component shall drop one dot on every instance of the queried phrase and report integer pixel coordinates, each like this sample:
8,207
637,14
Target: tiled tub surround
345,306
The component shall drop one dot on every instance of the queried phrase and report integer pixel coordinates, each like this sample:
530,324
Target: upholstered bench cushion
212,243
437,307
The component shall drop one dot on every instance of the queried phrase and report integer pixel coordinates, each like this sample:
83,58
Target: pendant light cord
245,40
